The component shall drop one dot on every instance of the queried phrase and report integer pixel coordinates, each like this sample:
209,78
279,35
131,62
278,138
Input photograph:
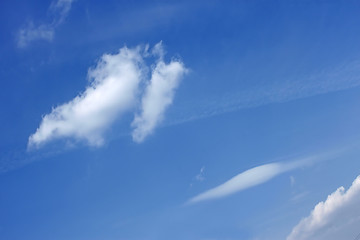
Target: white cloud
249,178
113,90
45,31
336,218
159,94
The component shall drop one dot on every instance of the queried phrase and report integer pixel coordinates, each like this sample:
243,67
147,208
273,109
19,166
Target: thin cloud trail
343,77
15,159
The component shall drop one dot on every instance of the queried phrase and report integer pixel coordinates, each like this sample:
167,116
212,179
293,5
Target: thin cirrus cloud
115,88
337,78
59,11
250,178
338,217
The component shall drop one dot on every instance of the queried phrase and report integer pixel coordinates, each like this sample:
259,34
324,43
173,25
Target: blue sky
198,120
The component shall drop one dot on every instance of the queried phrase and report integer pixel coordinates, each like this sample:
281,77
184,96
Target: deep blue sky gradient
125,190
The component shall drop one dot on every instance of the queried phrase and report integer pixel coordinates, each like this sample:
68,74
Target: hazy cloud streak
338,78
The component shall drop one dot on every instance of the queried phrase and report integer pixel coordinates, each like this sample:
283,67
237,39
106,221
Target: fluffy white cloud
159,94
336,218
113,90
250,178
30,33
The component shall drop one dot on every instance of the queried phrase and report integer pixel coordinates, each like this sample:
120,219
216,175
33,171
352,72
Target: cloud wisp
251,178
115,86
338,217
59,11
338,78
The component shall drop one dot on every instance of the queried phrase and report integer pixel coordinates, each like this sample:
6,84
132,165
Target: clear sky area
181,120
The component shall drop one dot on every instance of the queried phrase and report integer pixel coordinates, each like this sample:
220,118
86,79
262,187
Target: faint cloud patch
59,11
200,177
299,196
292,180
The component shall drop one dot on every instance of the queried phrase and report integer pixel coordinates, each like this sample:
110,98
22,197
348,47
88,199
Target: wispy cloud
59,11
114,89
338,217
299,196
159,94
251,178
342,77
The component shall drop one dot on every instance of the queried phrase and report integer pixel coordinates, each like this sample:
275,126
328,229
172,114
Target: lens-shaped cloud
250,178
